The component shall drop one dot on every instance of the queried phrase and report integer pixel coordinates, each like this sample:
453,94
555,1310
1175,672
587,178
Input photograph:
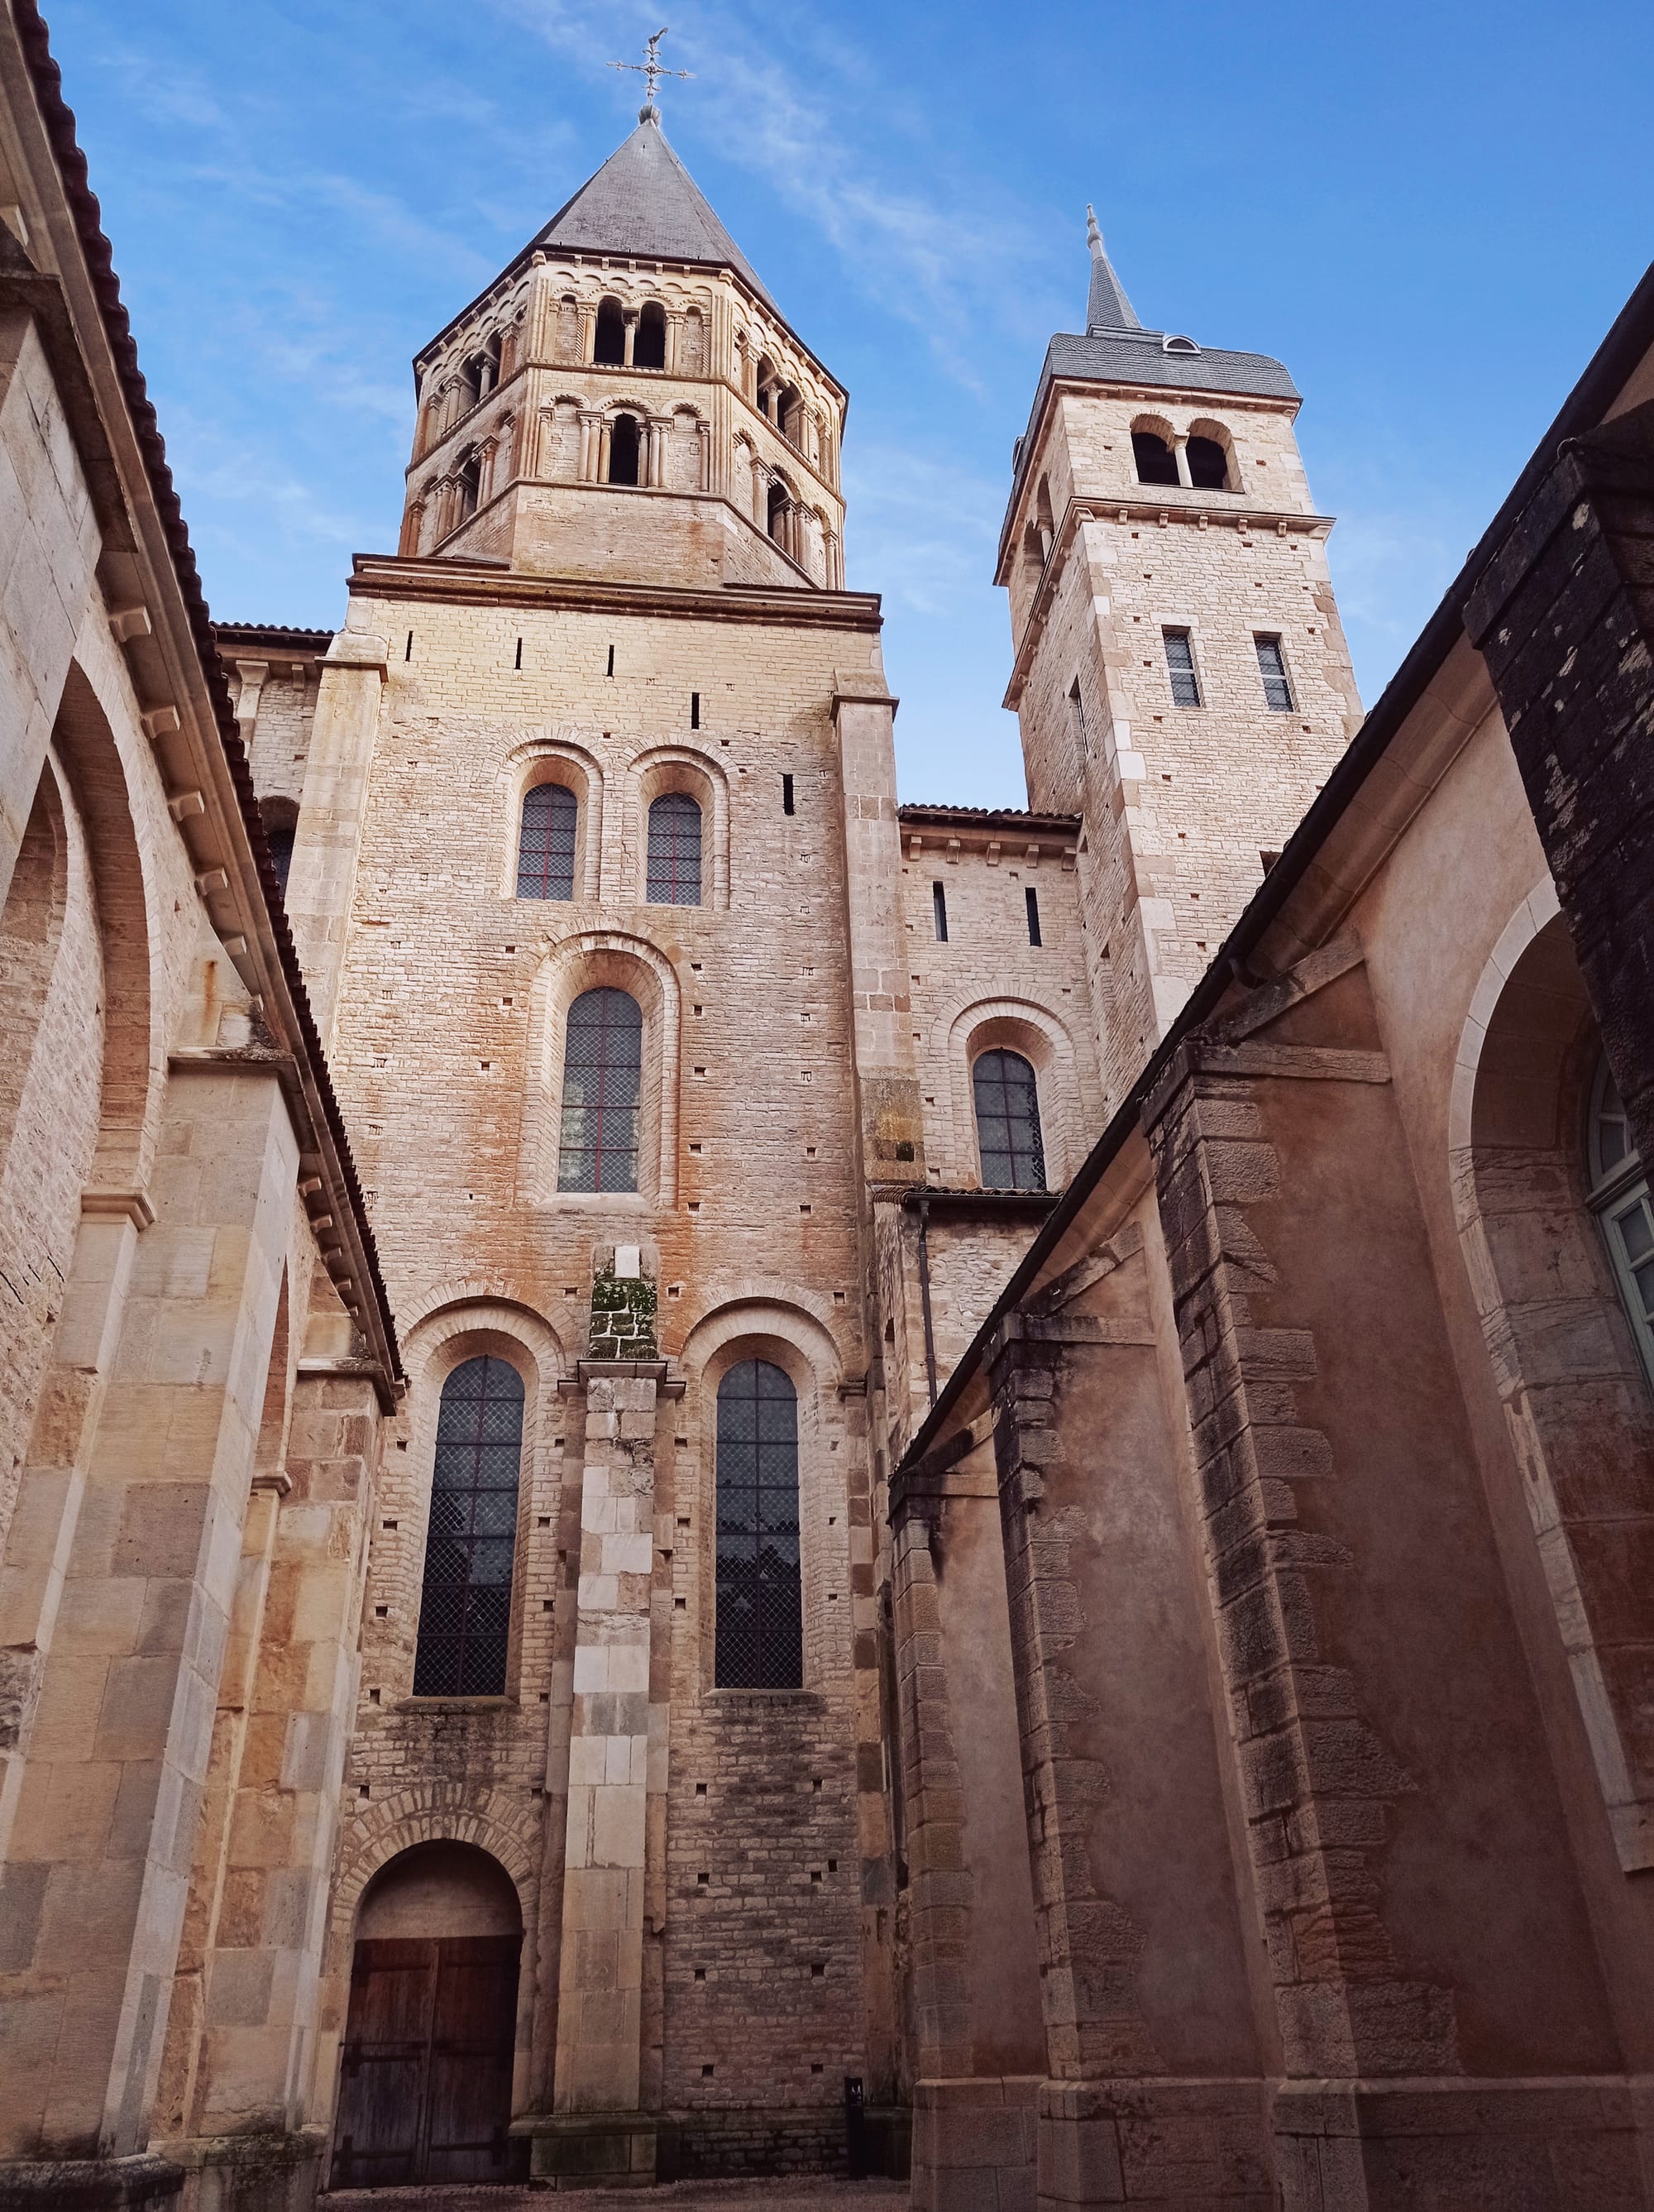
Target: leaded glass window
465,1611
674,850
545,857
602,1082
1007,1122
1619,1199
1272,667
760,1631
1180,667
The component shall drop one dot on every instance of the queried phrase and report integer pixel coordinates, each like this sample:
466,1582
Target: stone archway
425,2089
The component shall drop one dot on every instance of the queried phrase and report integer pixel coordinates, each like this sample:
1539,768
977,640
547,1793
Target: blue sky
1430,213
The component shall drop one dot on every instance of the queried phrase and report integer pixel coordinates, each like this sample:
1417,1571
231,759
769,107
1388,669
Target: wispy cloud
920,529
940,260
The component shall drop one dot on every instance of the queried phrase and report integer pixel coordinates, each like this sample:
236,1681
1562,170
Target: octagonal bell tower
626,401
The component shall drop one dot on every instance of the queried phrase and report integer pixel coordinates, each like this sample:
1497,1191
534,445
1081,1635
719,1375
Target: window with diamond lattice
602,1081
1007,1122
674,850
760,1632
465,1611
545,855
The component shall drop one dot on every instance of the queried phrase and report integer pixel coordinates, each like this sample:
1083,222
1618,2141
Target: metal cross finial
651,71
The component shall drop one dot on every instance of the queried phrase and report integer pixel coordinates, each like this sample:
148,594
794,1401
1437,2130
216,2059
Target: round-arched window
1008,1133
602,1085
1619,1199
464,1612
761,1641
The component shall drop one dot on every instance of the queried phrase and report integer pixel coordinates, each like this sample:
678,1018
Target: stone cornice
1273,522
400,576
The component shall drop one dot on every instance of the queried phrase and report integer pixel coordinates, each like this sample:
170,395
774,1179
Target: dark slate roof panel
644,204
1119,359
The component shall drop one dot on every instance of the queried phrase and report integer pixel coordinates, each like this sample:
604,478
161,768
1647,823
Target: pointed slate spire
643,204
1108,308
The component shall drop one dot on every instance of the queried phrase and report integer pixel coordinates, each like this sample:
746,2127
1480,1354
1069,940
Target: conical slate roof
642,203
1107,309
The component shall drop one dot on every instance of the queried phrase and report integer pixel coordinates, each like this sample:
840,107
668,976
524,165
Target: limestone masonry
703,1475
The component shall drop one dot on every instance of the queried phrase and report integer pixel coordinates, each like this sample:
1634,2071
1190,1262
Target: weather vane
651,71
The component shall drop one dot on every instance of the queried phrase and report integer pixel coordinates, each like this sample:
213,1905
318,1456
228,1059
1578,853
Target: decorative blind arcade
760,1634
603,1079
465,1612
545,855
1007,1122
674,850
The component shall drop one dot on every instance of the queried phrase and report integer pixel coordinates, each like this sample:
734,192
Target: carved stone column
660,434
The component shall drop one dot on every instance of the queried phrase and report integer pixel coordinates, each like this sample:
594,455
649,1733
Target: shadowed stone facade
1008,1498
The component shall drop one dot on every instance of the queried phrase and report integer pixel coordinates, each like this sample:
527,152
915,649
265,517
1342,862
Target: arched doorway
426,2081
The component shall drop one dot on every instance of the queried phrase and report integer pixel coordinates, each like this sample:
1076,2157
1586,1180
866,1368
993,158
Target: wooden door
425,2092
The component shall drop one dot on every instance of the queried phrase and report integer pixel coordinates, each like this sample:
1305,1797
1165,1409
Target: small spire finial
651,70
1107,309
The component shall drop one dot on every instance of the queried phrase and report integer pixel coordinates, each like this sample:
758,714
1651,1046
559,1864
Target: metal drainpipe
925,1298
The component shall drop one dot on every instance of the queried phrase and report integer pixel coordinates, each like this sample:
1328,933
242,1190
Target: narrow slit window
1272,667
674,850
545,854
609,671
518,661
1180,665
1007,1132
694,710
464,1613
1032,898
939,908
786,794
761,1640
603,1084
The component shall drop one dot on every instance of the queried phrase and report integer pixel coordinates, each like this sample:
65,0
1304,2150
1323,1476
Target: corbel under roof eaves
178,657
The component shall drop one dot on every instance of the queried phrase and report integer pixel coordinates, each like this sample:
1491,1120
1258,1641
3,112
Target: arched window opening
1156,464
281,827
609,345
1007,1122
1619,1199
760,1629
649,346
623,450
789,414
602,1083
465,1612
778,504
767,384
545,853
468,482
674,850
1208,465
468,379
